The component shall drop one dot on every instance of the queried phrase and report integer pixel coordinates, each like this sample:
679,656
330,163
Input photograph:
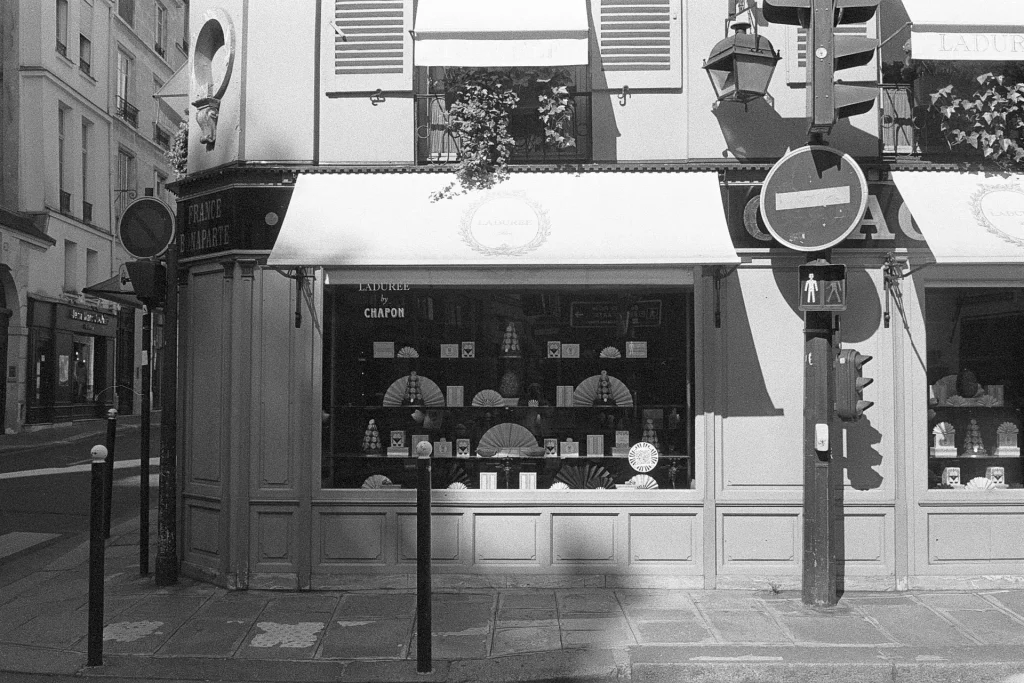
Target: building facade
342,301
83,135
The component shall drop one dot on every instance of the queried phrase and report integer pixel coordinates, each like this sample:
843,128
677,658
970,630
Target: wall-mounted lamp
741,66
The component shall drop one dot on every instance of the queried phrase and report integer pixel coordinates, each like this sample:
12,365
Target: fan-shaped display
610,352
407,352
585,476
589,391
980,483
560,486
508,439
375,481
643,481
457,485
398,393
447,473
488,398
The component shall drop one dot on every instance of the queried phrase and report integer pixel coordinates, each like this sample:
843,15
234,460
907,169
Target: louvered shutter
638,43
796,69
370,45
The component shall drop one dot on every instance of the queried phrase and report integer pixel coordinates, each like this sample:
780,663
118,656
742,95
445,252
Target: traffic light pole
819,580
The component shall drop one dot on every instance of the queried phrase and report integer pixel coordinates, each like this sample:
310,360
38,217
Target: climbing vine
990,120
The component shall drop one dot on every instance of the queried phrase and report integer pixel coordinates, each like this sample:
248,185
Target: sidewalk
194,631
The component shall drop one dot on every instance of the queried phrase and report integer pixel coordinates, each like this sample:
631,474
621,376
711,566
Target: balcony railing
907,128
86,212
127,113
435,144
65,203
161,136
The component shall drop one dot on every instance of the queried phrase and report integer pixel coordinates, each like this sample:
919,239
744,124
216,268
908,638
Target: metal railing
437,144
127,113
122,198
65,203
161,136
907,128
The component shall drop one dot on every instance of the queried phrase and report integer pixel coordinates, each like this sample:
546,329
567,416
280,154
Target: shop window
514,388
975,387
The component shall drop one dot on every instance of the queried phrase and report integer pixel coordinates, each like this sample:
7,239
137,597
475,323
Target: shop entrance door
5,319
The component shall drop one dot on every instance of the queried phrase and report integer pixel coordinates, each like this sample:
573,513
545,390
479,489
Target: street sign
146,228
822,287
813,198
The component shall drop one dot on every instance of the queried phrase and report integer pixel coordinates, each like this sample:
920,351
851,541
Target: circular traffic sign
813,198
146,228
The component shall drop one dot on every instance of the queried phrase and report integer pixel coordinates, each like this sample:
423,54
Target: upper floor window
161,30
125,82
62,170
126,180
85,55
126,10
86,205
62,27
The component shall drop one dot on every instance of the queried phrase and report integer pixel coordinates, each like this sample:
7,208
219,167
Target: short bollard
96,551
424,655
108,492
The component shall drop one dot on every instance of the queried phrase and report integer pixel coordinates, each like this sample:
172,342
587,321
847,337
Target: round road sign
813,198
146,228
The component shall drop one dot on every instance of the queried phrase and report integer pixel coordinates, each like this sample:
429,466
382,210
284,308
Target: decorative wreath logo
984,219
518,225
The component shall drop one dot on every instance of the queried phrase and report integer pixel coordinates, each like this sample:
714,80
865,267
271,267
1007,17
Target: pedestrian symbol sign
822,287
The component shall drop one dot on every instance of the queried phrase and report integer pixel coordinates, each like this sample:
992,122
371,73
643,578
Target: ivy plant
177,155
988,123
480,109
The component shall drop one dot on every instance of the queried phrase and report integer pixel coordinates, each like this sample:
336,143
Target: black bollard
96,551
108,491
424,663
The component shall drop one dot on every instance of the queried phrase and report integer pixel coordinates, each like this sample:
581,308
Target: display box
554,349
462,448
569,449
595,444
397,438
488,481
455,396
550,448
443,449
528,480
383,349
563,395
449,350
997,475
951,476
468,349
570,350
636,349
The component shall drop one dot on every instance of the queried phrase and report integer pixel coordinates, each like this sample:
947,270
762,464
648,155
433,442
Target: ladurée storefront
539,334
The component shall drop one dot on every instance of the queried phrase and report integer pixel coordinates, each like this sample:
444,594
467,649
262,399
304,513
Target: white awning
173,94
550,227
975,30
500,33
965,217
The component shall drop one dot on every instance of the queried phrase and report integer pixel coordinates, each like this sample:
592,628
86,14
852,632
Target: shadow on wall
862,455
757,131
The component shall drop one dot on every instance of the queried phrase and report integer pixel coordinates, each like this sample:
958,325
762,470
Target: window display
976,384
513,388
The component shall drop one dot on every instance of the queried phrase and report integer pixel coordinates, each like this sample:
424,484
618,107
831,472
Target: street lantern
741,66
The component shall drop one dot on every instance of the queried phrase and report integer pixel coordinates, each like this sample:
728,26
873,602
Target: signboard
245,218
146,228
609,313
822,287
813,198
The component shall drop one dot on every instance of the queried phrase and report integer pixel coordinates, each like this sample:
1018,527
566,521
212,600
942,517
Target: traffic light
827,99
850,383
149,280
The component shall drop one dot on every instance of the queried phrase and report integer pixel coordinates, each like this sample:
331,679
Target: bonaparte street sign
813,198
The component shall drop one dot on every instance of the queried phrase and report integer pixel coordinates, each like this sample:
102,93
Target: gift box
449,350
462,448
997,475
951,476
569,449
528,480
383,349
468,349
455,397
488,481
550,448
563,395
443,449
570,350
636,349
595,444
554,349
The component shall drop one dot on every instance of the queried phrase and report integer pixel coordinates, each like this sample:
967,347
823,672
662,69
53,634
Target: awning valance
548,226
976,30
500,33
967,218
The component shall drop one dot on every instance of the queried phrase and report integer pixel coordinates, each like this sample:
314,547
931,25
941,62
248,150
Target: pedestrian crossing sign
822,287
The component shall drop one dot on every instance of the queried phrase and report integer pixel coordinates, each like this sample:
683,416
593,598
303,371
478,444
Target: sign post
812,199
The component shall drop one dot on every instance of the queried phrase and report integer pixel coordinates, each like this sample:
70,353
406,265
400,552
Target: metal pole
819,566
424,662
108,494
167,510
96,549
147,347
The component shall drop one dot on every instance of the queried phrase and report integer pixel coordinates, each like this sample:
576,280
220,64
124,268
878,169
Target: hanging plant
177,155
480,105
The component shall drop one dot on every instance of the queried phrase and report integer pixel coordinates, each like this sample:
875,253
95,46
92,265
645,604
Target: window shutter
796,41
638,44
370,45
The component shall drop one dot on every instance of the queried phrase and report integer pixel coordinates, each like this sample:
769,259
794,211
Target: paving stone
380,605
915,625
163,608
745,626
990,627
367,638
319,603
534,639
655,599
853,630
680,631
55,630
525,617
137,637
233,608
594,622
613,639
527,600
457,646
955,601
591,601
458,619
282,640
202,637
1012,600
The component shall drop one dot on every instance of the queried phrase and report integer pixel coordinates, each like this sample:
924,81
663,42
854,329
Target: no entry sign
813,198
